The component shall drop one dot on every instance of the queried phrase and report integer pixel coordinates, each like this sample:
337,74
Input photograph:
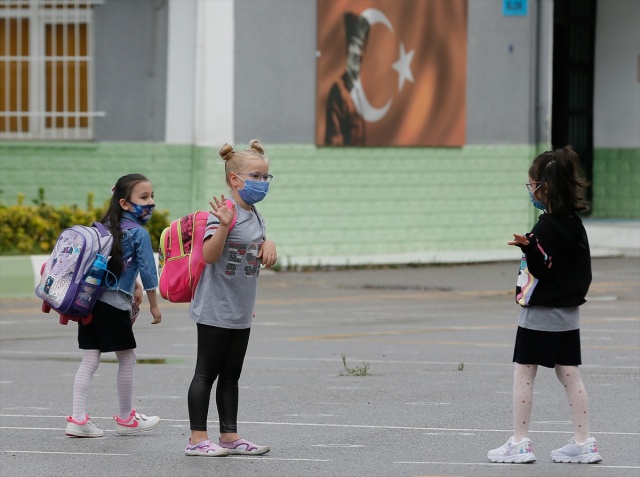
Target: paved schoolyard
435,344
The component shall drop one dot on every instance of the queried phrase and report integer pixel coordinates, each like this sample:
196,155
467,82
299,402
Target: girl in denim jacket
111,328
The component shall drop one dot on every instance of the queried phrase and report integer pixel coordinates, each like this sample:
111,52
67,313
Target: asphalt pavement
386,372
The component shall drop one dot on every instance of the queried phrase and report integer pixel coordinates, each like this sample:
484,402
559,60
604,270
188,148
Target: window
46,69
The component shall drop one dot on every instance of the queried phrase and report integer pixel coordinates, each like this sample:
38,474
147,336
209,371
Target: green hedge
34,229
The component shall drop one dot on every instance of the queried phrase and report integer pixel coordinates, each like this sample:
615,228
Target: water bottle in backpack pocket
89,289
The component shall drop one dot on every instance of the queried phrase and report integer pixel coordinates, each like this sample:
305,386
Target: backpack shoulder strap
101,228
129,224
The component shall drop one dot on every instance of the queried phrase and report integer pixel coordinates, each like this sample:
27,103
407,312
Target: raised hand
519,240
221,210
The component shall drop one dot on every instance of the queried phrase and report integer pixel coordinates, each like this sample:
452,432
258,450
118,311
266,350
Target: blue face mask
142,212
253,191
538,204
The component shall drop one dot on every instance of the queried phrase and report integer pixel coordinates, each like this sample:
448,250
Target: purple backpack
62,285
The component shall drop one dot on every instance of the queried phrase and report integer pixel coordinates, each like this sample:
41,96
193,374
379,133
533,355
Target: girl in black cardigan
554,277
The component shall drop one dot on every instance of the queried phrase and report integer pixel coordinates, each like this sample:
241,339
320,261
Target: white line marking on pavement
65,453
345,426
41,428
235,457
336,445
599,466
309,415
160,397
427,403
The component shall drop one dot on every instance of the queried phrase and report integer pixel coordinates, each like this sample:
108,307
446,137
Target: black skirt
547,348
110,330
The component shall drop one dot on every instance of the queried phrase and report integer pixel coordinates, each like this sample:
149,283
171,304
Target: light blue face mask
538,204
253,191
142,212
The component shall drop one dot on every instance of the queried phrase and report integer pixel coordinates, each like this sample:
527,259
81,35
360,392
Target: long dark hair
563,185
122,190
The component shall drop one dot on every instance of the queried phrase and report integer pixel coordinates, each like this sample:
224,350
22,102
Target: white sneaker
135,423
578,453
84,428
512,453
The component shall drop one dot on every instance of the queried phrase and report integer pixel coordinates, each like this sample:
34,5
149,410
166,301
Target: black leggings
220,355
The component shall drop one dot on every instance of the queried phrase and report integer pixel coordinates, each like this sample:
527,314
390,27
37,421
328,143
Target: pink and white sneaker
243,447
84,428
513,452
135,424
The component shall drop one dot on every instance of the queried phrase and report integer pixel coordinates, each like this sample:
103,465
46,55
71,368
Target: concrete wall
130,70
326,205
616,109
275,73
616,115
407,205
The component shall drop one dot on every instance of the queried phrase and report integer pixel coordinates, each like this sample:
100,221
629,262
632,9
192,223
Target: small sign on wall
514,8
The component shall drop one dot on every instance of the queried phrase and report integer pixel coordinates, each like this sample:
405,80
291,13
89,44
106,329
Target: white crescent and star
402,66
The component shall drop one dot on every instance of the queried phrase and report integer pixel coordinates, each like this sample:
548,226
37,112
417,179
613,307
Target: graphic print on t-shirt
240,253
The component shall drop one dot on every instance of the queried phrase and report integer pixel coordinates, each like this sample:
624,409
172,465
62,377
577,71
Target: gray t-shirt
546,318
226,293
117,299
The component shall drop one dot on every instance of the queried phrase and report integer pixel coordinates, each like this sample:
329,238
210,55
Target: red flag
410,86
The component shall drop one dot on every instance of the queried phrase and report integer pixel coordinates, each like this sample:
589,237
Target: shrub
33,229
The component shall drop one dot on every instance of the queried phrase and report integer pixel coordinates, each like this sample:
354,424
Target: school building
95,89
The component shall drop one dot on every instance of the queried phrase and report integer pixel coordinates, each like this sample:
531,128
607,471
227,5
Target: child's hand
155,312
220,209
137,294
268,254
519,240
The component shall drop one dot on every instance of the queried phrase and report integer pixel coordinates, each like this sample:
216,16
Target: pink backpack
180,262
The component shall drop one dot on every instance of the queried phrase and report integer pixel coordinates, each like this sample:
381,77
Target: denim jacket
137,253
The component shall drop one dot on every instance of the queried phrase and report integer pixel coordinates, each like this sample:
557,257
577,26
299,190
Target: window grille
46,69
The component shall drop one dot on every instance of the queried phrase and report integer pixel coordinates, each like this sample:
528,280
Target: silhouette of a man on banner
344,124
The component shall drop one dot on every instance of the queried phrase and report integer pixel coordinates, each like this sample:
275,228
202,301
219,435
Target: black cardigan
558,256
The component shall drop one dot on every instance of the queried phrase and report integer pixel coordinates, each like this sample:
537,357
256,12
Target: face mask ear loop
243,181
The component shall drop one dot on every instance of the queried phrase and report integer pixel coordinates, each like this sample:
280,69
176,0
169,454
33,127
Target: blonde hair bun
256,146
226,151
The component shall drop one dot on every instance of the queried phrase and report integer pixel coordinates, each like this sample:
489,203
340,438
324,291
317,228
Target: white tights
569,376
88,367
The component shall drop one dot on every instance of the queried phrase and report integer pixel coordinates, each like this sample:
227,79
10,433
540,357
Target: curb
19,275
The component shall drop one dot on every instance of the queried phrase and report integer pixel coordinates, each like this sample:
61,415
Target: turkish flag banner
391,73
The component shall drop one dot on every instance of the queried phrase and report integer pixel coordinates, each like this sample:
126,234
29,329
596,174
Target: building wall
275,73
130,70
410,205
326,205
616,117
